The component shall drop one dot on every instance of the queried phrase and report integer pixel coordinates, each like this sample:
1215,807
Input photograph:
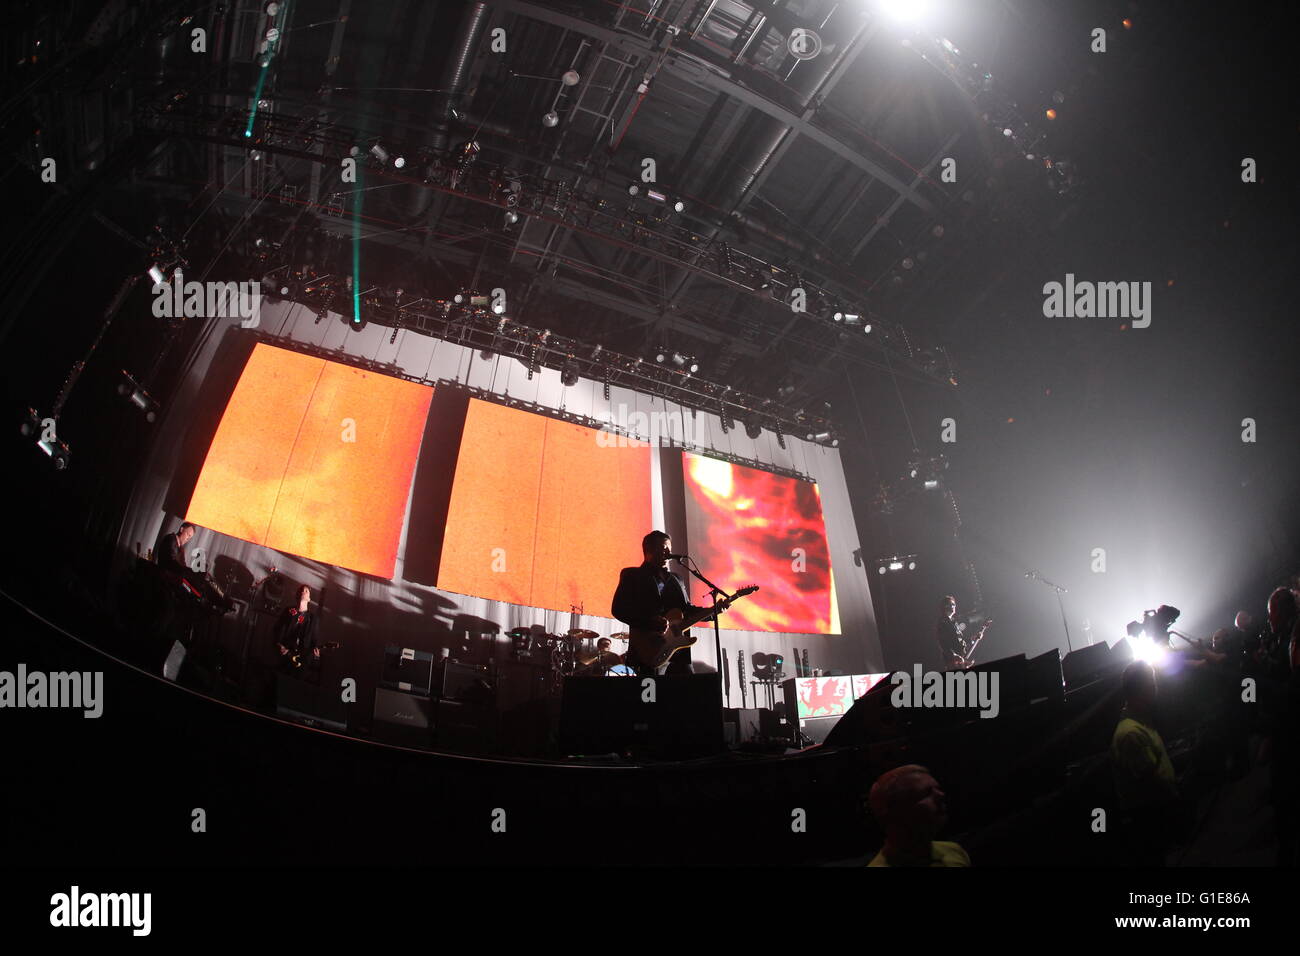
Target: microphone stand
1035,576
714,591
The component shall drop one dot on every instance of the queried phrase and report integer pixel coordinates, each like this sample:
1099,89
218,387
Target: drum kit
572,654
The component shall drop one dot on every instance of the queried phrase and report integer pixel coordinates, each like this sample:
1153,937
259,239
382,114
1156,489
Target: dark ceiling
816,173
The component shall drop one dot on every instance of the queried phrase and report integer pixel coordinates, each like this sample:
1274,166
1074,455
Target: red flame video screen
746,526
314,458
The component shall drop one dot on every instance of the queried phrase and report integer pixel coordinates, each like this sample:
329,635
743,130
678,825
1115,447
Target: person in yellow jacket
912,810
1145,784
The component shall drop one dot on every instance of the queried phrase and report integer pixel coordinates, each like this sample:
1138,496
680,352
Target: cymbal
582,634
620,636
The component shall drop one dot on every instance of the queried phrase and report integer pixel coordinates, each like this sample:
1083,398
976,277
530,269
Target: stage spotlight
570,78
906,11
379,153
1149,650
633,190
136,394
57,451
551,119
569,374
512,217
760,666
679,206
753,429
881,569
694,367
1050,114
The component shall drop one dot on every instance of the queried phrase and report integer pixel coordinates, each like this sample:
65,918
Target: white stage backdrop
367,611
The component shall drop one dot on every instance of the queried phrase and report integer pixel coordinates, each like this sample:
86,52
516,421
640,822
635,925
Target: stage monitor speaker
518,683
457,681
816,729
307,703
1085,665
608,715
465,727
1013,683
747,721
872,718
407,670
1043,677
401,718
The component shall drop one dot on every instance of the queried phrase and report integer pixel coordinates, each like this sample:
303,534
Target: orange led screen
314,458
542,513
747,526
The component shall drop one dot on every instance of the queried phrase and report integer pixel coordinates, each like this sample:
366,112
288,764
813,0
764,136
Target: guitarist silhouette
295,634
647,595
956,648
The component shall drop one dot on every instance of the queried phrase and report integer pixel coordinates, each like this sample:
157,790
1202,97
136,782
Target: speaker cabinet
871,719
1086,665
306,703
401,718
610,715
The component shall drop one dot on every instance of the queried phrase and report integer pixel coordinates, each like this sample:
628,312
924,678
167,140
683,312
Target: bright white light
1145,649
906,11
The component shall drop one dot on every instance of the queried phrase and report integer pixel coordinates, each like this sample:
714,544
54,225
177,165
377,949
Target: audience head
1281,610
1243,621
1139,686
1221,638
908,803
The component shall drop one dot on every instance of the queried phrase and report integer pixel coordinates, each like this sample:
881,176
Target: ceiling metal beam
705,74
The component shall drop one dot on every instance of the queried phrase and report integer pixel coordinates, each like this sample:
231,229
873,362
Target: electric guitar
302,657
655,647
967,656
